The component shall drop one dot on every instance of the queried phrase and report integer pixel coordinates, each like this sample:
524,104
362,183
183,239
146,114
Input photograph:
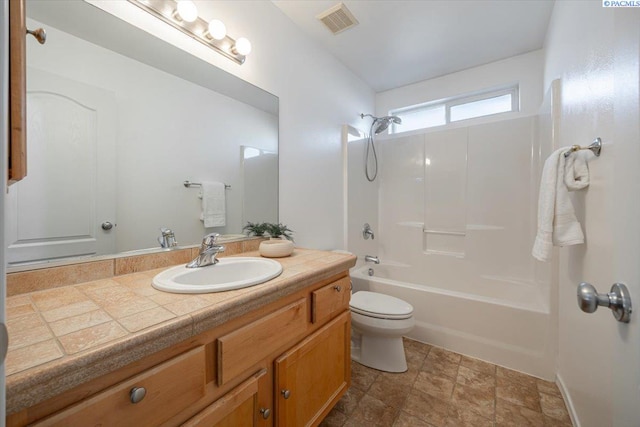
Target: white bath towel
214,210
557,223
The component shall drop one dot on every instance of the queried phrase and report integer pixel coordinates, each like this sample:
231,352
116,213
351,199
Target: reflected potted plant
256,228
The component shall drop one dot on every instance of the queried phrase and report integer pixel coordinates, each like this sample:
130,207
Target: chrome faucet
208,252
373,259
367,232
167,239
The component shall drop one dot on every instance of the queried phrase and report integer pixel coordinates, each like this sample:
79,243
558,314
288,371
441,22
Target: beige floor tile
510,415
392,393
479,401
548,387
348,403
440,365
362,377
85,320
371,411
407,377
426,408
335,418
406,420
434,385
463,417
91,337
519,395
411,346
505,376
552,422
554,407
476,379
478,365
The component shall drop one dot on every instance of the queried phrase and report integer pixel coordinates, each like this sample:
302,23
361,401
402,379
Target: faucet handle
210,239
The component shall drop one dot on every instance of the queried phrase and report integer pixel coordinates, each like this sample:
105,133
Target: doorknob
106,226
618,300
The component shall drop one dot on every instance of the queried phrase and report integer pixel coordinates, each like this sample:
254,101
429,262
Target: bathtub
507,323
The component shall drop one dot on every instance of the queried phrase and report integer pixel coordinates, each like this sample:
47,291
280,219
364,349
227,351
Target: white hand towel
557,223
214,210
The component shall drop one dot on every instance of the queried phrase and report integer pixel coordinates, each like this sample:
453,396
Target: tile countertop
60,338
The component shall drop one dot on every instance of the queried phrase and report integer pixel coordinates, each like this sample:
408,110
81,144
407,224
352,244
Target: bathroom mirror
117,121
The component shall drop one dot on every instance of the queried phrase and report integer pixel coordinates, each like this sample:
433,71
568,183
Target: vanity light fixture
183,15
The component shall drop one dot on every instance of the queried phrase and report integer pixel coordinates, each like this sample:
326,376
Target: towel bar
595,147
189,184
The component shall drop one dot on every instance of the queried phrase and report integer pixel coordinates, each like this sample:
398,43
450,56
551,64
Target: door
58,210
598,357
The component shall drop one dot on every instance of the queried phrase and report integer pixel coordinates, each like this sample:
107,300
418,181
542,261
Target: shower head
380,124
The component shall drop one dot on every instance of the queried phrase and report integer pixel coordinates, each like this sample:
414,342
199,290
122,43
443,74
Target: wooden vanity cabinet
313,375
233,375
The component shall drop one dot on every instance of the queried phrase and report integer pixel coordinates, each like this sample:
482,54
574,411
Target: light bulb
217,30
243,46
187,10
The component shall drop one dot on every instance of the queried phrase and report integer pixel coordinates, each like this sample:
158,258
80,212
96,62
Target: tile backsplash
86,271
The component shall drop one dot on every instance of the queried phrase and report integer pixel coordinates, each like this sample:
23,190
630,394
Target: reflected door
58,210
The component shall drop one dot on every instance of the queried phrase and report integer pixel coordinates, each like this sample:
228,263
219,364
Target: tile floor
442,388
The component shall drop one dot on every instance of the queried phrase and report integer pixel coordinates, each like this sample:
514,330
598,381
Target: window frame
448,103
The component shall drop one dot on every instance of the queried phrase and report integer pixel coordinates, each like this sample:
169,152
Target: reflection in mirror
260,169
111,139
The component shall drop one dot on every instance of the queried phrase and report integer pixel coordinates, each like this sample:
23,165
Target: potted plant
279,231
280,244
256,228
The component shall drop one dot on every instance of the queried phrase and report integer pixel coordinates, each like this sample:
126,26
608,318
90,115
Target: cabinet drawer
245,347
170,387
330,300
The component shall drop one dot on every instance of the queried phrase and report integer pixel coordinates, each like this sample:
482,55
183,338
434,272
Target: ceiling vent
338,18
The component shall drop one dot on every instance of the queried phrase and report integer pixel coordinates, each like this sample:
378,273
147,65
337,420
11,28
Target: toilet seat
380,306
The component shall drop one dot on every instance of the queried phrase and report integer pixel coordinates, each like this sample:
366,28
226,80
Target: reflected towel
214,210
557,223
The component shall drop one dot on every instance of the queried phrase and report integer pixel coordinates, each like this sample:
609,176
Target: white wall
168,130
595,77
317,95
526,70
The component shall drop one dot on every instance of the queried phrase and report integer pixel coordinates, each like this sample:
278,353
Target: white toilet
378,322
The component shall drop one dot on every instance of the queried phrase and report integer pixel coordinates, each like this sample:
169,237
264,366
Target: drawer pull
286,393
137,394
265,413
337,288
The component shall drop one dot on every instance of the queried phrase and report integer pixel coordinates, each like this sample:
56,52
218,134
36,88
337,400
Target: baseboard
567,400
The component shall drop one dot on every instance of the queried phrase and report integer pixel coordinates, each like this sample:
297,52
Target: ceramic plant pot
276,248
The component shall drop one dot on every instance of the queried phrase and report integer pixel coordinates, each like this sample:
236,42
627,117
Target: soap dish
276,248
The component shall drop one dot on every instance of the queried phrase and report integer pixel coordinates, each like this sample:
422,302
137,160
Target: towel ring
595,147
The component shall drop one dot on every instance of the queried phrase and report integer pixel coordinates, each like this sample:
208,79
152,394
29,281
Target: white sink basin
229,273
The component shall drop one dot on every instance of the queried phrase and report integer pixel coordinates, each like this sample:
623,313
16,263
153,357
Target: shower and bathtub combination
454,218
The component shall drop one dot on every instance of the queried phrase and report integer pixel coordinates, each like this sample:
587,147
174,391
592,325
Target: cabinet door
313,375
239,407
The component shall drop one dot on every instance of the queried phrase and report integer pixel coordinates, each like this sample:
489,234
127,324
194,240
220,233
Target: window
450,110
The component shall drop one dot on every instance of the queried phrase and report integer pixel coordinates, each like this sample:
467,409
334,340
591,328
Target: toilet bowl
378,322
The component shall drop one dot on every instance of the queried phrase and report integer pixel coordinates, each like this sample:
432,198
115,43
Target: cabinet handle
286,393
265,412
137,394
39,33
337,288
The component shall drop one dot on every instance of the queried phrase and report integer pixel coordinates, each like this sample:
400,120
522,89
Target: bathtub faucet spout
373,259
